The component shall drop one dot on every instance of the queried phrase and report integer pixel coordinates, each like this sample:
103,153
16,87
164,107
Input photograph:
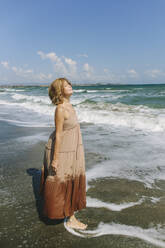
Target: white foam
92,91
35,107
72,230
112,97
112,115
12,90
25,124
4,102
36,99
121,115
155,199
28,141
150,235
80,90
108,90
140,173
95,203
32,139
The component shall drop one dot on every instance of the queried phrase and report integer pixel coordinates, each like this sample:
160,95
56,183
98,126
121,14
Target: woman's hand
54,164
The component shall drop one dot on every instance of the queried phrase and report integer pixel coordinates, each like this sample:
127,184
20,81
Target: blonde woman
63,179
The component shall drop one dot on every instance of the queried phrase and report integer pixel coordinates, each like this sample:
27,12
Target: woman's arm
59,120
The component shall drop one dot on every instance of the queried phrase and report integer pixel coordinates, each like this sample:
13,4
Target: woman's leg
74,223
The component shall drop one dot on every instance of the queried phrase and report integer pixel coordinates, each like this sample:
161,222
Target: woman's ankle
71,218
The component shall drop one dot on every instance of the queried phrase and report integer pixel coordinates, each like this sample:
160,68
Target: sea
123,131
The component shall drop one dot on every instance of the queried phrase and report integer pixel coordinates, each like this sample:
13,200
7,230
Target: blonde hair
56,90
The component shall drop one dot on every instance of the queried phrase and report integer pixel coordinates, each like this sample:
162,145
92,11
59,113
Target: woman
63,179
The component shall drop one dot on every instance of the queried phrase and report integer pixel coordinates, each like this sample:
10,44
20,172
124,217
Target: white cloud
5,64
68,67
154,73
63,66
108,76
88,71
42,76
72,67
28,71
30,74
20,71
42,55
87,68
14,68
23,74
132,73
105,70
59,66
70,61
52,56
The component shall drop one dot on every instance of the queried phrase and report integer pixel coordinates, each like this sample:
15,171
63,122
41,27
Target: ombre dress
65,191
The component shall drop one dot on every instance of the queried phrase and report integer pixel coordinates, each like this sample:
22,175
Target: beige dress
65,191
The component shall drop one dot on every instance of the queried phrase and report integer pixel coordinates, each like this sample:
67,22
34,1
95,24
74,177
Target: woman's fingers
54,167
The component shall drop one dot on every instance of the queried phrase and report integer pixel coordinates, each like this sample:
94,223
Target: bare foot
74,223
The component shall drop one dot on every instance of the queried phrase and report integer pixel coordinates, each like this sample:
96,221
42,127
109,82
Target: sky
89,41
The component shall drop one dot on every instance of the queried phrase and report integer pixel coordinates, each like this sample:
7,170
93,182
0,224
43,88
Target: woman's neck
66,101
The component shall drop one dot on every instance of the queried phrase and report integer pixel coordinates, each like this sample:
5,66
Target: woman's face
67,89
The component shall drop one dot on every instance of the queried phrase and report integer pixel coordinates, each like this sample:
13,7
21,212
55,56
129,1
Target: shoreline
24,226
114,203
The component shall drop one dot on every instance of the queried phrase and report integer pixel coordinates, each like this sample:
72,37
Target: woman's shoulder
60,108
61,111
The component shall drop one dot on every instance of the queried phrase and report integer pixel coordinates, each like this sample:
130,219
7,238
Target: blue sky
115,41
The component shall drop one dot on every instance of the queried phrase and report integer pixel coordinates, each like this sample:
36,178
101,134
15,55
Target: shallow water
124,152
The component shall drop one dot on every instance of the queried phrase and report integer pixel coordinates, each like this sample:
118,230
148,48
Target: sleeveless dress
64,191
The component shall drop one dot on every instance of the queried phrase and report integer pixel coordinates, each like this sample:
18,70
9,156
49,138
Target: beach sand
21,221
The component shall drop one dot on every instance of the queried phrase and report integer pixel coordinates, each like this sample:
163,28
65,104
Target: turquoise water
135,106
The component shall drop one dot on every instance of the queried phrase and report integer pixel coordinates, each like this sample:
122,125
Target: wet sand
21,220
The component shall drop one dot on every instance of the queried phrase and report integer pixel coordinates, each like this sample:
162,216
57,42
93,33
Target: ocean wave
137,117
35,107
95,203
143,172
12,90
80,91
108,90
36,99
154,236
25,123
